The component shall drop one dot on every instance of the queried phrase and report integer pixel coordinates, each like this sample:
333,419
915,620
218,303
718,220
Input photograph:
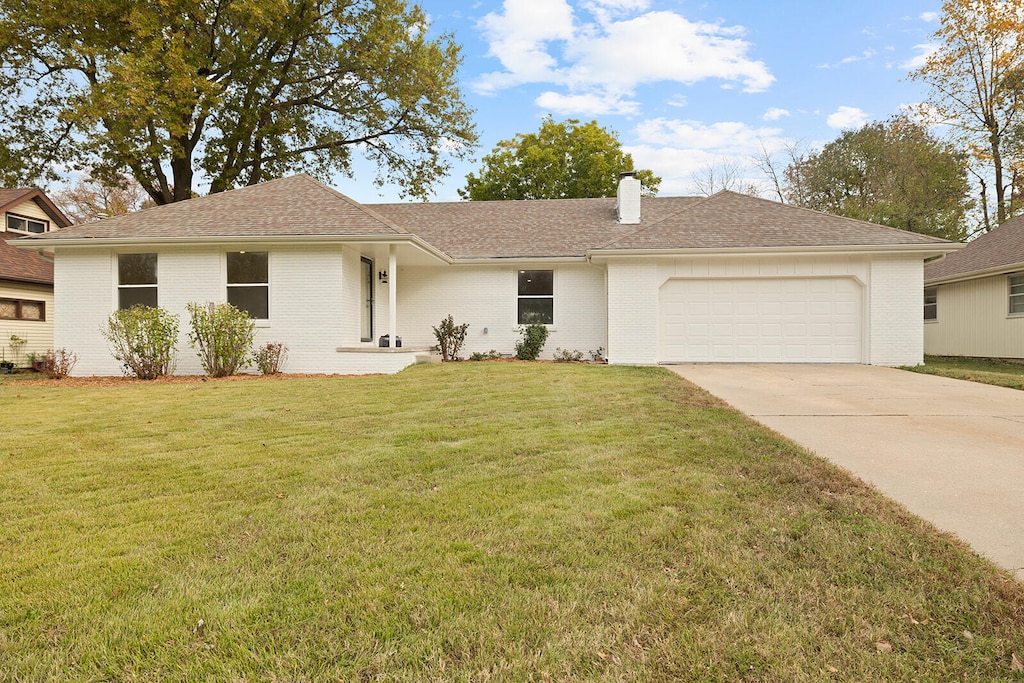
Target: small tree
270,358
450,338
222,337
144,339
529,347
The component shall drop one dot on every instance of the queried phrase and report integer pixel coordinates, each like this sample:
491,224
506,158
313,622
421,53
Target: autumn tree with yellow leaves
976,76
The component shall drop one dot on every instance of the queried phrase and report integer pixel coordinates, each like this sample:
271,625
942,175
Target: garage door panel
782,319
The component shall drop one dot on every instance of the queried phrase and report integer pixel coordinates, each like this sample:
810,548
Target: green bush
270,358
450,338
493,354
529,347
144,339
222,337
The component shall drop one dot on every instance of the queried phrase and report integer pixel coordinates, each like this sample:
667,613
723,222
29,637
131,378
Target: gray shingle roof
297,205
300,206
1000,249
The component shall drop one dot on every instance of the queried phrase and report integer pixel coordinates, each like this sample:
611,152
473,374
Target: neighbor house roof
18,265
572,228
1001,250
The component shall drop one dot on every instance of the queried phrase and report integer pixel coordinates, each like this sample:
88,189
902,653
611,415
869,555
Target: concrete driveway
950,451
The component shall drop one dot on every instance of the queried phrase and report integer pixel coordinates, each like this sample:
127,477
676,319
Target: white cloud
867,54
924,51
774,114
612,52
723,137
586,105
847,117
929,17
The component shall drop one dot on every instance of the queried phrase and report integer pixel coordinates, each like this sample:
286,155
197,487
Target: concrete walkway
950,451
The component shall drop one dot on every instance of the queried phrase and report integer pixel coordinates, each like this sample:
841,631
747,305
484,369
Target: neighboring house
26,279
974,299
728,278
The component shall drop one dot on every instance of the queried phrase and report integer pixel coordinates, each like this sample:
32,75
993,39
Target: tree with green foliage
239,91
893,173
560,161
977,88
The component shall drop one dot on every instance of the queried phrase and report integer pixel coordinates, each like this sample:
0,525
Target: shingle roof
1000,249
523,229
300,205
11,197
729,220
19,265
297,205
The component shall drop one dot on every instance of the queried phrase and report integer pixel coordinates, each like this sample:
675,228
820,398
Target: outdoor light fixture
383,277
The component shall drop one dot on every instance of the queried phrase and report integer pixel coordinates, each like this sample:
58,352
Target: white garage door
761,320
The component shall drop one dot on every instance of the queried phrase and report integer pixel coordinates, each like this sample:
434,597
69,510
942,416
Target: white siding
486,298
973,320
27,210
84,284
37,333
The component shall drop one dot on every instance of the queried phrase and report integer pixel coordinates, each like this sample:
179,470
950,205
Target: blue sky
684,83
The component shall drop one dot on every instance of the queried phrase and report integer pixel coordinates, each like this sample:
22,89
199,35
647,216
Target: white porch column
392,295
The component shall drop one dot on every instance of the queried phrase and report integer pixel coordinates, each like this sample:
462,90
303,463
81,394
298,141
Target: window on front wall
20,309
1016,294
931,303
249,283
536,297
24,224
136,280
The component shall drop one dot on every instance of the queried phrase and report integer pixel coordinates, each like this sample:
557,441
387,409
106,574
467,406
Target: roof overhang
49,245
975,274
922,250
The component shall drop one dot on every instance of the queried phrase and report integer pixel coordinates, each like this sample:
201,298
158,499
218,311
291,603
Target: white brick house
727,278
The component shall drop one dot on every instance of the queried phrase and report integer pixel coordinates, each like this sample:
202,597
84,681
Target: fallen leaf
1016,664
280,495
968,635
604,656
832,669
883,646
117,591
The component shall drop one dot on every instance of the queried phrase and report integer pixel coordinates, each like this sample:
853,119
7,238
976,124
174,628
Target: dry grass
1003,373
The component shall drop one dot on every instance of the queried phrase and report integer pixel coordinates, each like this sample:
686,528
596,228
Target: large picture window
931,303
536,297
249,283
136,280
1016,294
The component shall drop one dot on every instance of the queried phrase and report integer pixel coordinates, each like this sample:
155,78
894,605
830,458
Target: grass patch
1002,373
485,521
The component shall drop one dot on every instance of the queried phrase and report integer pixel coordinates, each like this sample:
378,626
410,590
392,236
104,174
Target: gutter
937,249
1005,269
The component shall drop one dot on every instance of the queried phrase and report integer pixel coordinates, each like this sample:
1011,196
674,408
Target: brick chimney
628,204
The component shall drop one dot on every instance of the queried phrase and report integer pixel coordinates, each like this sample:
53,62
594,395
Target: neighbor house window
931,303
18,309
536,297
249,283
1016,294
23,224
136,280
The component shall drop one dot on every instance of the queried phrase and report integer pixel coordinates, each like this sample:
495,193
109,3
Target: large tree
236,90
893,173
975,77
562,160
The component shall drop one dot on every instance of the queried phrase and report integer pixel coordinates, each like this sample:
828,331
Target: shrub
485,355
58,363
534,336
566,356
143,338
450,338
222,337
597,355
270,358
17,344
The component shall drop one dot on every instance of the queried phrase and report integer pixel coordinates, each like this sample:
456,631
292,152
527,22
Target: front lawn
986,370
463,522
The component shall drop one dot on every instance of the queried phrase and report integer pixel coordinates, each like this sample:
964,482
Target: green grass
986,370
463,522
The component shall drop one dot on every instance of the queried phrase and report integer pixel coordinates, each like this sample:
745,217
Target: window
931,303
17,309
22,224
1016,294
136,280
536,297
249,283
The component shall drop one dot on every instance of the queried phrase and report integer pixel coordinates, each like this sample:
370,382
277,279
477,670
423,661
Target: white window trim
117,278
936,304
1010,313
554,287
42,221
259,322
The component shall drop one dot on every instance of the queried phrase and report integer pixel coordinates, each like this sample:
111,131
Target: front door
366,295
